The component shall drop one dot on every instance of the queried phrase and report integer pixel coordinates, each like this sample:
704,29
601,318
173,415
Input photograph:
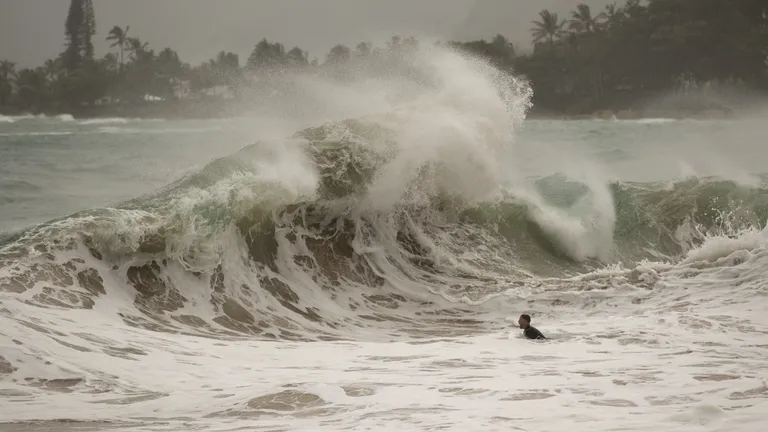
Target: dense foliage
587,62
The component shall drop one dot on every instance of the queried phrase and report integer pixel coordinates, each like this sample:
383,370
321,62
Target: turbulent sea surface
361,266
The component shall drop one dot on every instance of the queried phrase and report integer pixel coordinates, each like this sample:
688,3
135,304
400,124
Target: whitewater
354,254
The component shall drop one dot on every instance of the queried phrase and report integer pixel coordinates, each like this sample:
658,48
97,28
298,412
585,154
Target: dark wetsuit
532,333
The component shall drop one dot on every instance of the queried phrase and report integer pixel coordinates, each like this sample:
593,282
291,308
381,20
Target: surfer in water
529,331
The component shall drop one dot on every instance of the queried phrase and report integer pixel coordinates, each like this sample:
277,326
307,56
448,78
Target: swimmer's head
524,321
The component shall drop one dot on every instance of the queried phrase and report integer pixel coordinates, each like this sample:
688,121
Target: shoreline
223,109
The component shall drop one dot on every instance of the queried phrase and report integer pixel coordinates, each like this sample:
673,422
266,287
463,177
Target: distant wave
115,120
100,121
653,120
52,133
128,130
12,119
68,118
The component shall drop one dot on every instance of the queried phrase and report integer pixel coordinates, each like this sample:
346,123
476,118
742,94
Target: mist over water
355,257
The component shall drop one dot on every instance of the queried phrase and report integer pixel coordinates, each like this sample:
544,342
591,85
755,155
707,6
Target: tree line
587,61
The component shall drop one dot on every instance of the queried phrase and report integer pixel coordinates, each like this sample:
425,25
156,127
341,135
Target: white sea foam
116,120
653,121
34,134
117,130
99,121
687,354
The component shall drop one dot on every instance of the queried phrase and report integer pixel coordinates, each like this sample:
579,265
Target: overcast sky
32,31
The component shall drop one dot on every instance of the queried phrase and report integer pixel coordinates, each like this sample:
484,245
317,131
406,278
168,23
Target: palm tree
297,57
136,47
632,8
52,69
582,19
110,62
168,72
7,74
338,54
266,55
227,62
548,28
612,13
32,87
503,45
119,38
363,49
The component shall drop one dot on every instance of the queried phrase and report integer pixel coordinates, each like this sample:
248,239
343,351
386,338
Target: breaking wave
398,221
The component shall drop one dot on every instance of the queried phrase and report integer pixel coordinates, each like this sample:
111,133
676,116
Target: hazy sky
32,31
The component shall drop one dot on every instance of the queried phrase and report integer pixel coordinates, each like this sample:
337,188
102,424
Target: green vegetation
584,64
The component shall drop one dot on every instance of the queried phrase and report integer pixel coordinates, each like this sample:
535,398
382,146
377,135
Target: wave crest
394,219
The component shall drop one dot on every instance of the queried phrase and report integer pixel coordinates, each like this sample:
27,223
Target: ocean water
362,265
